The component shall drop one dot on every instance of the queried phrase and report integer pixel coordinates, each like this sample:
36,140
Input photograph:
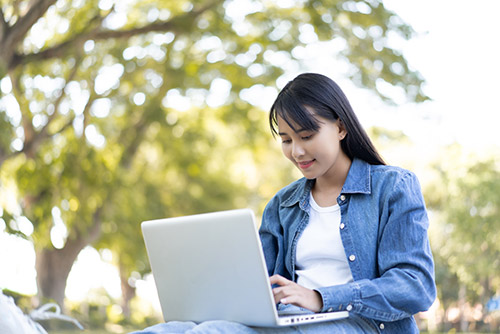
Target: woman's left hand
290,292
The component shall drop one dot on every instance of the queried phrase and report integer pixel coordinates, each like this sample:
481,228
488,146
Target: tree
90,126
465,239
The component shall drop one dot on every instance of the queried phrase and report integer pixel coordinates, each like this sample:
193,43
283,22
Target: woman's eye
307,137
286,141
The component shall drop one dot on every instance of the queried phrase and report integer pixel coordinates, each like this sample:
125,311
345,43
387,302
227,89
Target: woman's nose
297,150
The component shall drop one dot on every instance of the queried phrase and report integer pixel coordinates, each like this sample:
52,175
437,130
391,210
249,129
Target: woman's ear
342,130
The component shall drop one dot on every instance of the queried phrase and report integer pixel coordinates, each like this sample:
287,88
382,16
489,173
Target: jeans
352,325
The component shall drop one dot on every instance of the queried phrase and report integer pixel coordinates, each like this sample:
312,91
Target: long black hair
325,97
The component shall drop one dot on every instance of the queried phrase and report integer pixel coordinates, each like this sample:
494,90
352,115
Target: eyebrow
298,131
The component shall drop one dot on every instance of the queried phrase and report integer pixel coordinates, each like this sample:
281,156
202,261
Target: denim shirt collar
357,182
358,178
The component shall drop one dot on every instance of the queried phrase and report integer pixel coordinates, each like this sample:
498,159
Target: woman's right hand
290,292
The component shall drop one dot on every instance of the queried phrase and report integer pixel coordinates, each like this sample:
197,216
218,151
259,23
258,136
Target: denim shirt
384,233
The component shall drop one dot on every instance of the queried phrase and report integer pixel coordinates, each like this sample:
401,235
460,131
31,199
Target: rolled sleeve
339,297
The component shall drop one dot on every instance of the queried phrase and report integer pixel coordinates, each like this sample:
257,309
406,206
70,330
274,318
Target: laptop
211,267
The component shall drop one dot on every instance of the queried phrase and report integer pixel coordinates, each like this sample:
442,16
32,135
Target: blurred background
115,112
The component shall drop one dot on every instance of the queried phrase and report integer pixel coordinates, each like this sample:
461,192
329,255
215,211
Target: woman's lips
305,164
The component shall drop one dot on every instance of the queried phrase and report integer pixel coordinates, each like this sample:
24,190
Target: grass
93,331
121,330
109,330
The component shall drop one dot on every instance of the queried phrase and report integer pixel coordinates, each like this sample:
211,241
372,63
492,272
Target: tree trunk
462,300
128,292
53,267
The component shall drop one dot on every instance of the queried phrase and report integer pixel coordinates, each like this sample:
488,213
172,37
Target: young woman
351,235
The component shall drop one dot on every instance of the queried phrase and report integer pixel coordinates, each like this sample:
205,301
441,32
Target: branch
132,146
26,116
4,27
85,112
4,155
42,134
24,23
32,144
89,234
175,24
59,50
138,130
39,137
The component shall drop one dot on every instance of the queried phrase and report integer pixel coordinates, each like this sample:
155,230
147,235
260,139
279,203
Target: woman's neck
327,188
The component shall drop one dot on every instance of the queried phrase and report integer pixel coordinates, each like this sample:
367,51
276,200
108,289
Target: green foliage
6,133
465,239
104,141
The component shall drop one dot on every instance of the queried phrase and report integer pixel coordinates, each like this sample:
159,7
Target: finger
282,294
279,292
289,300
278,296
286,288
280,280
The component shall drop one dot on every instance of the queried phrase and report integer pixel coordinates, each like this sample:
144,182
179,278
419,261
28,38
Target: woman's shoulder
390,171
394,177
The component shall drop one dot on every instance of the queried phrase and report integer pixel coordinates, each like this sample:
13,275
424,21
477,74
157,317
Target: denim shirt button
381,326
349,307
342,226
342,198
352,257
330,309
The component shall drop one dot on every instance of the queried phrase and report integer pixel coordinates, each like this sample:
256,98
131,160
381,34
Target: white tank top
320,257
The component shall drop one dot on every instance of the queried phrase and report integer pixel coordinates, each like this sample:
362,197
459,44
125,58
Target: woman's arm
405,285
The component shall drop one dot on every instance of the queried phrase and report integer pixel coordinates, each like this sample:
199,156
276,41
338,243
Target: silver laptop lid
210,267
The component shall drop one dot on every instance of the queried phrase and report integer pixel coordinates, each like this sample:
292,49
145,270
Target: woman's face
316,154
